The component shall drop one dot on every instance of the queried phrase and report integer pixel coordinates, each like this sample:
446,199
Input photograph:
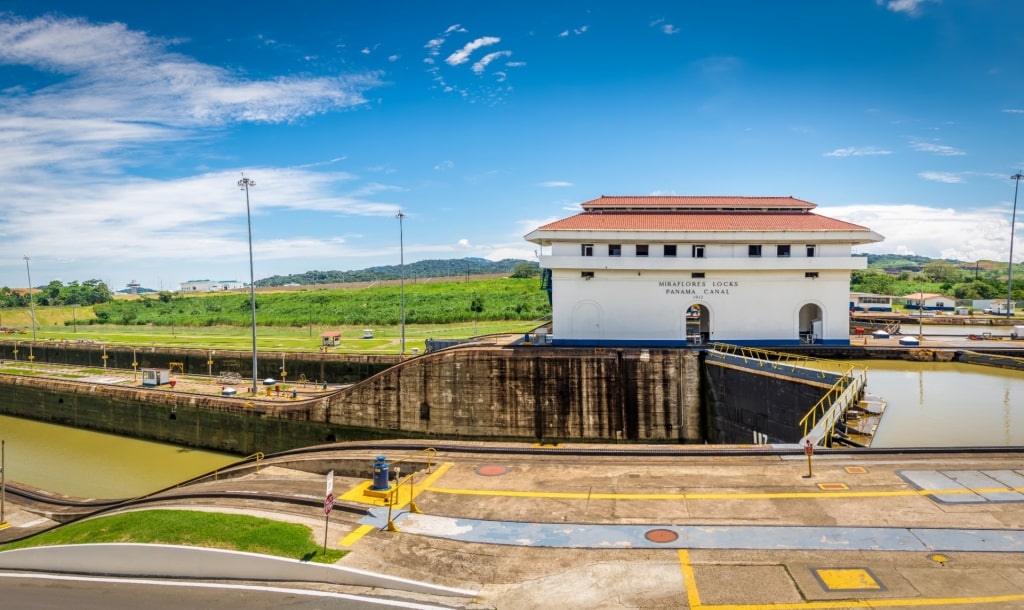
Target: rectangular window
782,250
670,249
754,250
697,275
641,249
614,249
810,251
698,252
811,274
587,275
587,250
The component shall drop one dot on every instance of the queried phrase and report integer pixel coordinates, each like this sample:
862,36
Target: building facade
676,271
210,285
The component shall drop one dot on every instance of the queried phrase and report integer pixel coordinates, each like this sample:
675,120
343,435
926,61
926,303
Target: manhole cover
661,536
491,471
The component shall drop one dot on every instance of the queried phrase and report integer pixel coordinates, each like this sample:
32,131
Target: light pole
401,265
244,184
1013,220
31,303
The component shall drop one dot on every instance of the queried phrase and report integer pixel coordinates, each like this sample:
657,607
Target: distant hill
458,267
893,264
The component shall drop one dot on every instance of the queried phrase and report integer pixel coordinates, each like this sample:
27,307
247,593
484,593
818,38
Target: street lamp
244,184
401,265
31,303
1013,220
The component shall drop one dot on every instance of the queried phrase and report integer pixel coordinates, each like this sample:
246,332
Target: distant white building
673,271
929,301
866,301
210,285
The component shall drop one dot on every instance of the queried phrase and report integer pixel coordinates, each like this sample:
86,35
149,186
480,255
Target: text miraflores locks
694,287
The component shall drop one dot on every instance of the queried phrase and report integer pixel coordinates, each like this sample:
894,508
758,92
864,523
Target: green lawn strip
191,528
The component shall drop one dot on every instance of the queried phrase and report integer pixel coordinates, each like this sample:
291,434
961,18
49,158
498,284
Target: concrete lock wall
532,393
522,393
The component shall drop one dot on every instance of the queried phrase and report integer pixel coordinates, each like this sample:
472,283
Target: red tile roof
709,203
700,221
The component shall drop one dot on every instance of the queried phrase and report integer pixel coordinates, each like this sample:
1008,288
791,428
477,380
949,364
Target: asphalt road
46,592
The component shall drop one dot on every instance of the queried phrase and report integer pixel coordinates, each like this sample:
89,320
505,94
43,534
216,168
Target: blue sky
127,125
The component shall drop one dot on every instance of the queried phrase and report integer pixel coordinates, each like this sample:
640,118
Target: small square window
670,250
587,250
697,275
810,251
782,250
641,249
587,275
754,250
698,252
614,249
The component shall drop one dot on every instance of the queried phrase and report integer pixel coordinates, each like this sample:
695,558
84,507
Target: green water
89,464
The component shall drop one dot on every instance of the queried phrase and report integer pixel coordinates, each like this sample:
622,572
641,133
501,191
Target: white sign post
328,505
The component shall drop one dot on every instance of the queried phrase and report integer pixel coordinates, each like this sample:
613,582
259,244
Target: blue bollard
380,475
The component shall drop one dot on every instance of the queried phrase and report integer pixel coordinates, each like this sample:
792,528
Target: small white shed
155,377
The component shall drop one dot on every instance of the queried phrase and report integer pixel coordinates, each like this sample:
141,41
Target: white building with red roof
672,271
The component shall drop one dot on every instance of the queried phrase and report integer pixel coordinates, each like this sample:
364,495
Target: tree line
89,292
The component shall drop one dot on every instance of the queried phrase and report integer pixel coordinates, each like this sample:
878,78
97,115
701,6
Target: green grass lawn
386,339
191,528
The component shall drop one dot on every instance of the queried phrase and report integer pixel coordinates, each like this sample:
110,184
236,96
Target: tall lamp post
244,184
401,265
1013,220
31,303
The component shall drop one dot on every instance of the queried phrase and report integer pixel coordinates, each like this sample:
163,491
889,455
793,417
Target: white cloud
555,184
114,100
464,243
669,29
443,165
858,151
481,65
575,31
947,177
910,7
110,71
462,55
939,149
1014,110
966,235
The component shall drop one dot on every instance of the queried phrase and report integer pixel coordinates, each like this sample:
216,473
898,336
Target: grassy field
191,528
293,321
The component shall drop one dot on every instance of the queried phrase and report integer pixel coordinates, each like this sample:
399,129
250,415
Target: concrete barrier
183,562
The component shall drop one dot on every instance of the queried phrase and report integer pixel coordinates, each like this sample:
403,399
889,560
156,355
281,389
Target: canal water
89,464
946,404
929,404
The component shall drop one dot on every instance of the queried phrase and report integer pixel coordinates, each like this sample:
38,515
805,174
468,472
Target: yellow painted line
565,495
874,603
693,597
689,579
356,535
403,494
4,525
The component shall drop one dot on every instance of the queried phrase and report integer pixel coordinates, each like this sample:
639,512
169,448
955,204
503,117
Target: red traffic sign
809,448
328,504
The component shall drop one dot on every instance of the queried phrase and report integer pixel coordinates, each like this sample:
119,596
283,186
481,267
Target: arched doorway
810,324
587,321
697,324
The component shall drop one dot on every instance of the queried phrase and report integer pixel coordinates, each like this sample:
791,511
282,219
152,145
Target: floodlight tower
244,184
1013,220
31,303
401,265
